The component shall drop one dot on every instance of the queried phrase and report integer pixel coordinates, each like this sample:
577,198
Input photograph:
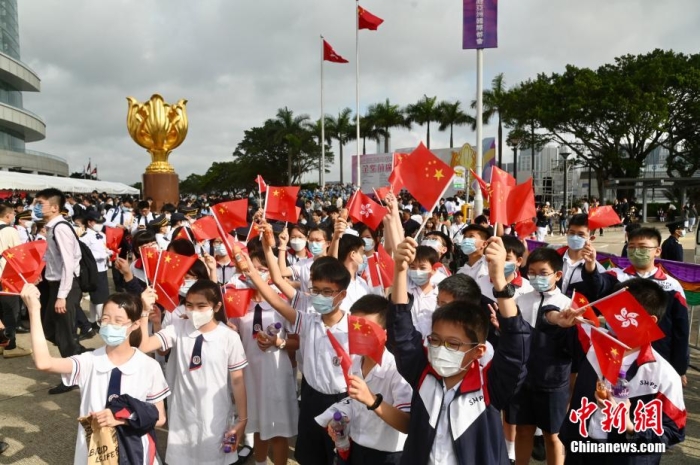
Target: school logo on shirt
197,360
336,361
112,397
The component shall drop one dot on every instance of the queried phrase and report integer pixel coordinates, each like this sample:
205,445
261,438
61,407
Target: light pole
515,143
564,153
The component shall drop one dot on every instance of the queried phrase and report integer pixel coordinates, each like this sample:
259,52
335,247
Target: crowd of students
477,363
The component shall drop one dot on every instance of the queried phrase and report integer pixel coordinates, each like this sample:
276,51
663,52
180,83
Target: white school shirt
522,286
98,247
530,303
162,241
201,407
424,305
366,428
443,452
321,365
142,221
476,271
117,217
271,388
456,232
357,288
572,271
24,235
142,379
301,272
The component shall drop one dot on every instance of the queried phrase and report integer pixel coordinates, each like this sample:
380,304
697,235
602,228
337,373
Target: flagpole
357,91
322,180
478,198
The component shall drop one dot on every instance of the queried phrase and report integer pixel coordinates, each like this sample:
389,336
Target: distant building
17,125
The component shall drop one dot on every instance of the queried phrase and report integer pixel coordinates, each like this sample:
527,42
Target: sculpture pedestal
162,188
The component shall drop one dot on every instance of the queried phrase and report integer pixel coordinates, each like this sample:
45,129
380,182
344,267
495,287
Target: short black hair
299,227
513,245
481,219
579,219
650,295
632,227
470,316
372,304
485,233
324,231
426,254
53,195
142,238
332,270
546,255
349,243
645,233
143,204
5,208
461,287
182,247
199,270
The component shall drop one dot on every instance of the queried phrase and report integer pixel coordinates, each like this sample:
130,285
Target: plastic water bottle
273,330
621,389
342,438
228,444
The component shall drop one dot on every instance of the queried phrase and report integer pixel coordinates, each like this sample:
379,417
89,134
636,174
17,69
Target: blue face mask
509,268
362,266
468,245
38,213
369,244
575,242
316,248
419,277
540,283
113,335
321,304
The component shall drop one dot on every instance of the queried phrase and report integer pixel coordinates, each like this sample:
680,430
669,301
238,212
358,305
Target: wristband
377,402
145,315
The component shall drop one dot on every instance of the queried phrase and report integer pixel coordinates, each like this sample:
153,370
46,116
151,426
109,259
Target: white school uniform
98,247
141,379
162,241
321,366
424,305
141,221
357,288
366,428
477,270
201,407
273,410
301,272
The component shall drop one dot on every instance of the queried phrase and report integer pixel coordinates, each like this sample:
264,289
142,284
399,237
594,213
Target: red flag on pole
424,175
237,301
382,263
26,258
366,338
602,217
113,239
231,215
365,210
609,353
205,229
367,20
280,203
512,204
398,158
498,175
330,55
262,187
525,228
628,319
345,361
483,185
382,192
578,300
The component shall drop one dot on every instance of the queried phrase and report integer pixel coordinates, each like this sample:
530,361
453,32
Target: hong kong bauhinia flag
628,319
330,55
365,210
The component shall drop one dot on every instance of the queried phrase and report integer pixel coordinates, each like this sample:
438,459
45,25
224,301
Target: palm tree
368,130
342,130
290,126
494,102
386,117
425,111
451,115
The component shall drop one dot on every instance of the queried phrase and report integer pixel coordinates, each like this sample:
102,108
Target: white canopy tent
36,182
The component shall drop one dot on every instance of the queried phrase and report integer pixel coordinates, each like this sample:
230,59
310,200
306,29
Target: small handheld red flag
366,338
237,301
231,215
113,240
280,203
629,320
579,300
498,175
345,361
424,175
367,20
262,187
609,353
602,217
330,55
26,258
483,185
365,210
205,229
525,228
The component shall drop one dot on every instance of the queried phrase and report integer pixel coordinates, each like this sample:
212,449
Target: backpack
88,266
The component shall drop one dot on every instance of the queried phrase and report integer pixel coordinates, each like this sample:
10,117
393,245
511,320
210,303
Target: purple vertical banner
480,26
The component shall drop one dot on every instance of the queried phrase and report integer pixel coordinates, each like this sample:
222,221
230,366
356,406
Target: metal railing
35,152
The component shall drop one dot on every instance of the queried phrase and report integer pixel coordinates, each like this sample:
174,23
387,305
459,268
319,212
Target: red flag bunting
629,320
424,175
330,55
365,210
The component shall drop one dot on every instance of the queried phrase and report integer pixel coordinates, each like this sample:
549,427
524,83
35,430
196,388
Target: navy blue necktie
115,384
196,359
257,320
98,235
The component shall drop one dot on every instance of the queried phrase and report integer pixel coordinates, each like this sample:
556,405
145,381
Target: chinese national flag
367,20
113,239
182,234
483,185
231,215
262,187
381,268
171,269
498,175
525,228
26,258
602,217
205,228
237,301
345,361
609,353
382,192
398,158
12,281
280,203
366,338
168,295
512,204
330,55
149,261
579,300
255,231
424,175
365,210
629,320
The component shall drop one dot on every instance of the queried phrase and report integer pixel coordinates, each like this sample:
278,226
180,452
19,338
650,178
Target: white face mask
446,362
186,286
200,318
97,227
297,244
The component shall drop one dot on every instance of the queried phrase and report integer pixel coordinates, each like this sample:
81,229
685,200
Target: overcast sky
238,61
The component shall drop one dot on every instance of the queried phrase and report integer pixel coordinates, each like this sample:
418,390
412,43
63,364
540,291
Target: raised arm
272,265
283,308
149,343
338,230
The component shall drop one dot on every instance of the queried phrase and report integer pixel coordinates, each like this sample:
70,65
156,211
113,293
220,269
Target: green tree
386,117
423,112
494,103
451,115
342,130
193,184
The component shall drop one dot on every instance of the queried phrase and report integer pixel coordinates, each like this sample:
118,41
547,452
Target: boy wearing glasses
455,409
542,401
643,246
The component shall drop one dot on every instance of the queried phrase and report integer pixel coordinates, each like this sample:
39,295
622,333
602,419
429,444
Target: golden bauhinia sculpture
159,128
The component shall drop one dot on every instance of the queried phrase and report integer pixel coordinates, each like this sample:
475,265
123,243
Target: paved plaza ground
41,429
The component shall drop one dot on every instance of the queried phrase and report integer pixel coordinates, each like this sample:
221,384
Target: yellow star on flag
614,352
582,300
357,326
222,210
438,175
277,193
10,256
168,259
229,298
150,254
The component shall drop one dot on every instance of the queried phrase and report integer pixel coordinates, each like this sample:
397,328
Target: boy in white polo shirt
379,401
420,286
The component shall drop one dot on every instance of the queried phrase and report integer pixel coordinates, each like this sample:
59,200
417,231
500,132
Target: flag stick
604,333
155,276
224,237
478,199
321,171
592,304
166,295
379,274
145,271
357,92
267,194
9,293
